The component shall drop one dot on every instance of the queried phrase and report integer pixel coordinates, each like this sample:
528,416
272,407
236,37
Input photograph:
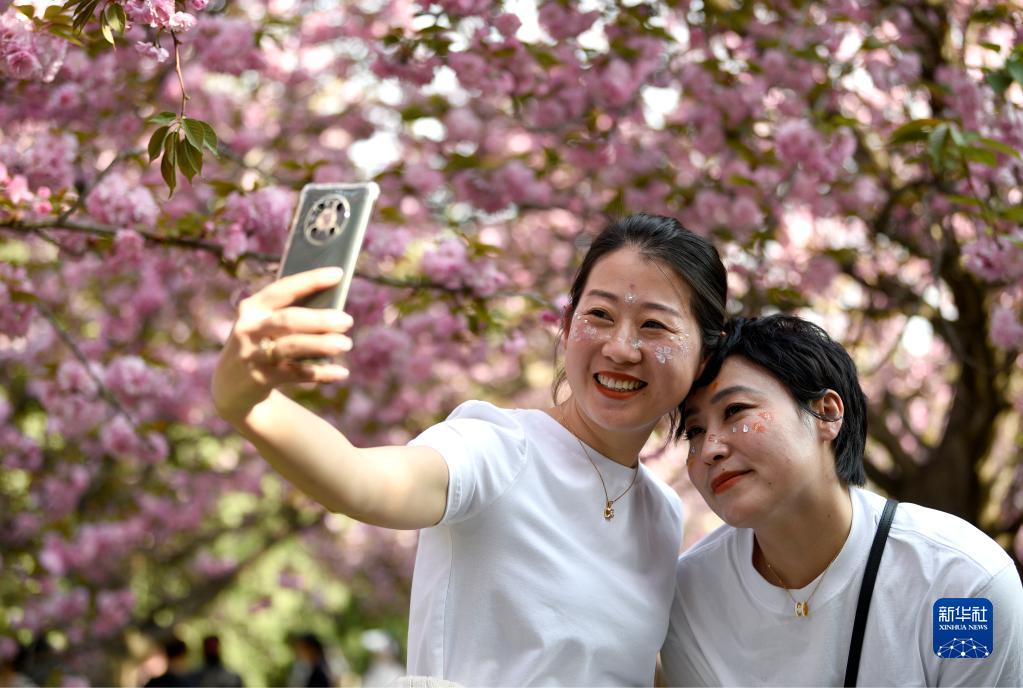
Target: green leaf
209,138
994,145
936,143
185,163
981,155
156,142
28,10
917,130
107,33
84,13
52,12
223,187
65,32
116,18
163,118
168,164
963,200
194,131
1015,68
1013,214
999,81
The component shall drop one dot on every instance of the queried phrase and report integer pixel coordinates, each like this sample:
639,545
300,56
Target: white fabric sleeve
676,653
1005,665
485,450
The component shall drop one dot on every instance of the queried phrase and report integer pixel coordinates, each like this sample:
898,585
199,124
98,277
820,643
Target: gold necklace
609,511
802,608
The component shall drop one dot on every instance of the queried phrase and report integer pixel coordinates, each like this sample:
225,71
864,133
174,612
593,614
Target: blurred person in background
310,669
176,653
213,672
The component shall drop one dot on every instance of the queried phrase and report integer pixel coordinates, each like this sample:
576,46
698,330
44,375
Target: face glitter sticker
658,343
630,298
634,343
584,330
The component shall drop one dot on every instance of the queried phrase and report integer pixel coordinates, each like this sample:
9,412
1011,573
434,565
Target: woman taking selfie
547,551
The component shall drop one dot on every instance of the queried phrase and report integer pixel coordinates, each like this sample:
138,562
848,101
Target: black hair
690,256
211,649
174,647
808,362
312,641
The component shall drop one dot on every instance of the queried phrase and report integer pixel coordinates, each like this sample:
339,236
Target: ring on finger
268,347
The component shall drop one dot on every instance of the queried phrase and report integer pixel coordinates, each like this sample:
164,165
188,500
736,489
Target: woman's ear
830,411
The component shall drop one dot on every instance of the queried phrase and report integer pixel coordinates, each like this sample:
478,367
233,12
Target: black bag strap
852,667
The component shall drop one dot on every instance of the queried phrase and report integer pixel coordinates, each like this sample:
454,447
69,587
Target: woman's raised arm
271,344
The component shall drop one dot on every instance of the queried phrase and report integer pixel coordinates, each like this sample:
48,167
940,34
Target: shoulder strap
852,667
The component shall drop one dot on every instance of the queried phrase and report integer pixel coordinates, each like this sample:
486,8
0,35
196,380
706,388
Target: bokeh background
857,162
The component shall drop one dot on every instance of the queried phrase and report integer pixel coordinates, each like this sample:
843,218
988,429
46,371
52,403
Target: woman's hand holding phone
275,342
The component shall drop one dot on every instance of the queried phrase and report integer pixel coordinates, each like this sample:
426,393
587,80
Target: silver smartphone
327,231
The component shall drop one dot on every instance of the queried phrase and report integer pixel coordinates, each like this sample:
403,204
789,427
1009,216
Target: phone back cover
327,230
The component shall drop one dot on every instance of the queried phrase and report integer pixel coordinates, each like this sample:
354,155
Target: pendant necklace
609,510
802,608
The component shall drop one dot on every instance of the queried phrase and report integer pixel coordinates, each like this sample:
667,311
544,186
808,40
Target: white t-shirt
523,582
730,626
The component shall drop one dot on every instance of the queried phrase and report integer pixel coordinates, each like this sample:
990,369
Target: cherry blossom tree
857,162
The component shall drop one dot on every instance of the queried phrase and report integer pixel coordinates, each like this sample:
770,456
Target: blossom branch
38,228
69,341
80,201
177,68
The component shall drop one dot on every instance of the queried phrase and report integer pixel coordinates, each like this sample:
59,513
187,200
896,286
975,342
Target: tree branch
37,227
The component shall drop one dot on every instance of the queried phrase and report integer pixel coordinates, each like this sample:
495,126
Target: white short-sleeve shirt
524,582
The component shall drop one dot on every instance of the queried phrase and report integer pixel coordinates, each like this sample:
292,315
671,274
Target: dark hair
808,362
174,647
311,641
692,257
211,649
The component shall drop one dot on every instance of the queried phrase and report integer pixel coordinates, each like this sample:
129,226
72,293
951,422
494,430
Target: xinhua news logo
964,628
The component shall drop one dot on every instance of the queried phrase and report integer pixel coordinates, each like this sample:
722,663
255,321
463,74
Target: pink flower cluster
113,610
228,44
258,221
15,316
28,54
209,566
161,14
121,202
996,258
59,494
798,143
1006,329
54,608
167,515
464,8
380,352
511,183
45,159
449,265
97,550
563,21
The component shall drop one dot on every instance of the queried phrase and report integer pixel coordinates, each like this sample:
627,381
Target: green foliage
182,141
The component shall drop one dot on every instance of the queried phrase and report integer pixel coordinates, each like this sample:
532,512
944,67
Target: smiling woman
547,550
776,425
